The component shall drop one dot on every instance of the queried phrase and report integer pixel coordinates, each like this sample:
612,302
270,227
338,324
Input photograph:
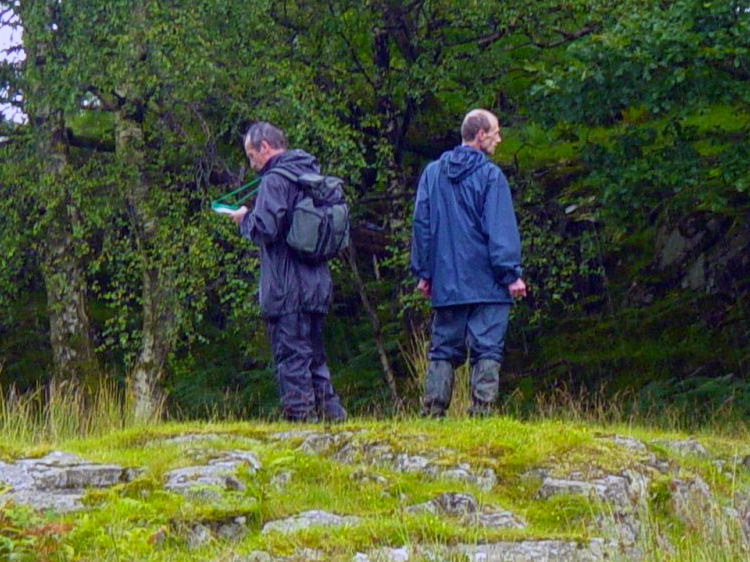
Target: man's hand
517,289
238,215
424,287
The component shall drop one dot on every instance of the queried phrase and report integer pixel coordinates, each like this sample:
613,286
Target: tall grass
415,357
60,410
600,405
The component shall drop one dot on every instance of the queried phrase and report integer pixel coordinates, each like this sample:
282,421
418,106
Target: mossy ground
139,520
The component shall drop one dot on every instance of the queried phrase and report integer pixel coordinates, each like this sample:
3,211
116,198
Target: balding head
476,120
481,130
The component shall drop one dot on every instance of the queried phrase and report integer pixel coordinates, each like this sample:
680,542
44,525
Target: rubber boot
484,381
438,389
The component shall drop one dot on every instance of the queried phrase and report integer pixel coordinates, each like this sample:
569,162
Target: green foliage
617,116
26,536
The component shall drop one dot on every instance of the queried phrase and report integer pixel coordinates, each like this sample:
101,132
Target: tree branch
376,328
566,37
353,54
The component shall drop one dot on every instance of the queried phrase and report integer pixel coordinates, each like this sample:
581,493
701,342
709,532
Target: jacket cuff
510,275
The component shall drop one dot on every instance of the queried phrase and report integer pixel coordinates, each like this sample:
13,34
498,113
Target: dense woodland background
626,141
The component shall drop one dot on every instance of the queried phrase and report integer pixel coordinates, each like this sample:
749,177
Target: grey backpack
319,222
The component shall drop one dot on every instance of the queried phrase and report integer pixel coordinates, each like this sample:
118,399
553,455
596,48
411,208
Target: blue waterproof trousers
304,379
482,326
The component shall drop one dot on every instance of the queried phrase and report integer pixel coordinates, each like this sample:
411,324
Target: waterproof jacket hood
287,285
459,163
465,239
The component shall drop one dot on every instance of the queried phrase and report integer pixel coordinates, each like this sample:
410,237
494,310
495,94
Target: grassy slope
124,523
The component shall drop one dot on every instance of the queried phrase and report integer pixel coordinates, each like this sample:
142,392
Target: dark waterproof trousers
480,326
304,379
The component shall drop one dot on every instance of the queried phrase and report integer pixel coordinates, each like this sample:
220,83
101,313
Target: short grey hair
476,120
262,131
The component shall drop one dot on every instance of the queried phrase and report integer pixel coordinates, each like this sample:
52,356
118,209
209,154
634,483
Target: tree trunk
72,350
70,339
157,329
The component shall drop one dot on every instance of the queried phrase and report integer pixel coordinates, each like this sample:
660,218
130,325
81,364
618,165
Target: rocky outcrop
464,507
344,448
208,480
57,481
620,498
307,519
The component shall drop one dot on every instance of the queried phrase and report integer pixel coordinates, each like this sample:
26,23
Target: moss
122,521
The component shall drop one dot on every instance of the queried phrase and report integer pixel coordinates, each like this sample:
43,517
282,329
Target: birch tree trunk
157,296
70,339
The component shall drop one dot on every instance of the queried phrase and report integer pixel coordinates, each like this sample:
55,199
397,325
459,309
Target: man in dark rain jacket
294,296
466,255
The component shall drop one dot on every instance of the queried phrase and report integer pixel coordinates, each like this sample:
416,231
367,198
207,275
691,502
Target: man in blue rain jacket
294,295
466,255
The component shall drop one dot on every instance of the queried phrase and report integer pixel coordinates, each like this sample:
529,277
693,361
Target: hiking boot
438,389
484,382
334,414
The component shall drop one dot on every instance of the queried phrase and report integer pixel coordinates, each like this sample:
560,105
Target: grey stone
625,529
555,486
637,486
317,443
218,474
363,475
611,489
496,520
235,457
485,481
255,556
535,474
199,535
233,529
347,454
629,443
306,519
464,506
691,501
305,555
448,503
58,502
16,476
293,434
56,481
524,551
191,479
743,516
186,438
460,474
684,447
384,555
324,443
413,463
79,477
